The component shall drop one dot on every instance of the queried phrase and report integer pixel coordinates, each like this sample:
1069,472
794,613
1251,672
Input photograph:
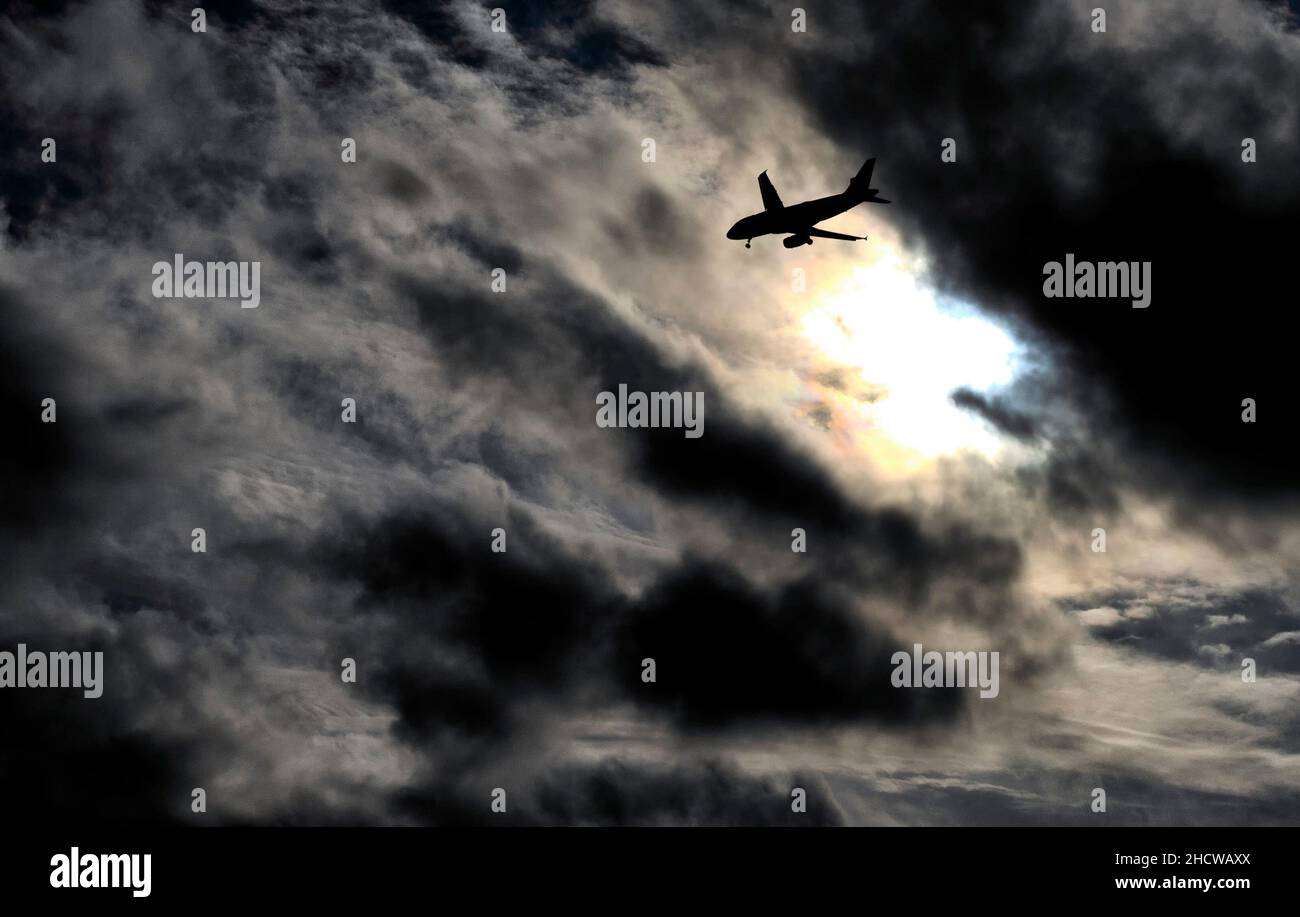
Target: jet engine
796,241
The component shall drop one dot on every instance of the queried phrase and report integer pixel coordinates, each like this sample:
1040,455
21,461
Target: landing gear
747,241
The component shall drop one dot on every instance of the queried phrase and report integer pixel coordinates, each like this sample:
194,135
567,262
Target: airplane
799,219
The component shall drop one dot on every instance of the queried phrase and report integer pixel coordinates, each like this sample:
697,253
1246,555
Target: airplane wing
827,234
771,200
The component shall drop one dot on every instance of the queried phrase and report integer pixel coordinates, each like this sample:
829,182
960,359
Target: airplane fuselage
799,221
793,219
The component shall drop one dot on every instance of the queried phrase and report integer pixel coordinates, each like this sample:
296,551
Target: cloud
1005,419
1123,145
521,151
1250,623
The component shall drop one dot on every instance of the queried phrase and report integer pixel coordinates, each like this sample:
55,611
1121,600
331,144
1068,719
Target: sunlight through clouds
884,321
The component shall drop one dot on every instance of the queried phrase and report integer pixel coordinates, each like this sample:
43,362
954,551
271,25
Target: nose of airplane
734,231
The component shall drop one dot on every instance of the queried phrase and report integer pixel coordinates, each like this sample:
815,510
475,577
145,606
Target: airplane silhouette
800,219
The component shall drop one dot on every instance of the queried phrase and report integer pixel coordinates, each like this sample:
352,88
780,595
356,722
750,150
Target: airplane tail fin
860,184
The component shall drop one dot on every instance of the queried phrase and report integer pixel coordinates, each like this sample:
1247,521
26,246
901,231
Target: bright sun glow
889,327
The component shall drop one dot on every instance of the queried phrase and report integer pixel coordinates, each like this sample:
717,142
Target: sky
947,438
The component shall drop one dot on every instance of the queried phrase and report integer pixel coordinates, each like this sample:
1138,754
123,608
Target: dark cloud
472,631
476,410
461,641
83,759
1073,478
68,759
1214,630
42,457
1003,417
476,651
630,794
1117,146
727,653
698,793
